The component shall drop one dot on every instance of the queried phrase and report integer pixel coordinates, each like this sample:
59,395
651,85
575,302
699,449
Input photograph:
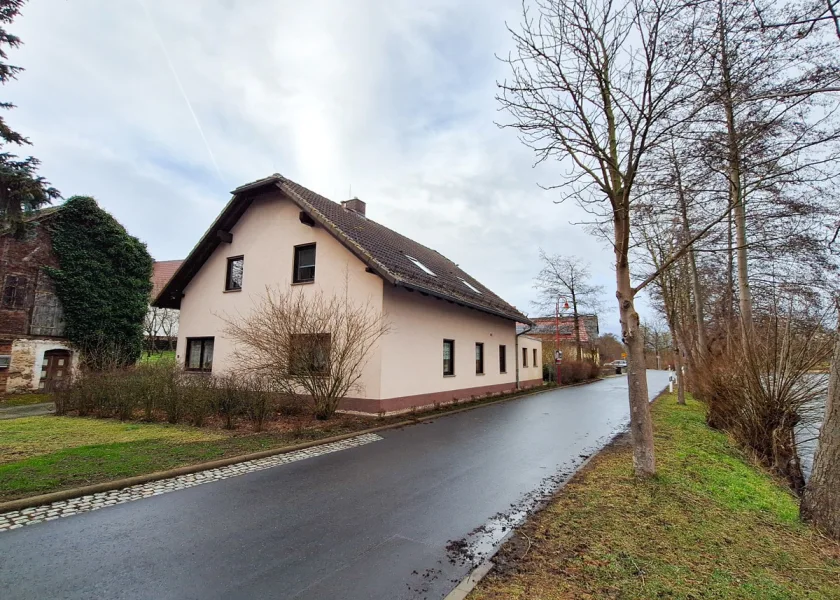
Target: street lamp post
558,354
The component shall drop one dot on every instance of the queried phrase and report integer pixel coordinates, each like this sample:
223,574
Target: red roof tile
162,272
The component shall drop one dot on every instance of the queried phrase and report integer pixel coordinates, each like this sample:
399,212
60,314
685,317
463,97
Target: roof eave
519,318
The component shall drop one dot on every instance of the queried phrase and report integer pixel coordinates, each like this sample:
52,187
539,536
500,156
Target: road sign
623,355
558,355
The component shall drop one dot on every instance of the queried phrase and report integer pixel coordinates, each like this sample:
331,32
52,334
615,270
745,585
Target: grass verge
39,455
710,525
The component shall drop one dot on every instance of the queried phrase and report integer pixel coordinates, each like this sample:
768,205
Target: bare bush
578,371
763,388
259,400
309,345
228,398
197,396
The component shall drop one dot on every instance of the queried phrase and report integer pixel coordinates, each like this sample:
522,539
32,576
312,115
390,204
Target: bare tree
764,126
309,345
169,326
159,323
151,326
599,85
569,277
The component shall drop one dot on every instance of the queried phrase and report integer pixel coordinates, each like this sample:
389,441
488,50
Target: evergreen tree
21,189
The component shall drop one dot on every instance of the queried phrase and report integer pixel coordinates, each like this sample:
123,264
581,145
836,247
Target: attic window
469,285
421,266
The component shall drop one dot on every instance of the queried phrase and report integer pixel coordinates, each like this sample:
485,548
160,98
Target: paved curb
475,576
107,486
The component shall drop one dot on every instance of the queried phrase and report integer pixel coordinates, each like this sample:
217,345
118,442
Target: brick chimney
355,205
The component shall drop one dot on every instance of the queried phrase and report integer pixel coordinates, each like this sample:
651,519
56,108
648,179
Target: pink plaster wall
266,235
412,354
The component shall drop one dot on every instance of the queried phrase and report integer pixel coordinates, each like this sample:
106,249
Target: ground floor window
535,358
199,354
524,357
479,359
502,359
448,357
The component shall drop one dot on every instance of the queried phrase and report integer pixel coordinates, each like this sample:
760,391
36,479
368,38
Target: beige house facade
450,338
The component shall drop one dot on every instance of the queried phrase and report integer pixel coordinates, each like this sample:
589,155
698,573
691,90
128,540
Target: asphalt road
399,518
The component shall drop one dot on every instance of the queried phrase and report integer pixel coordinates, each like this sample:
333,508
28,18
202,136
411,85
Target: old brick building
34,355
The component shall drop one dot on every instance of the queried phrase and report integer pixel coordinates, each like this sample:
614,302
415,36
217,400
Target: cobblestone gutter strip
89,502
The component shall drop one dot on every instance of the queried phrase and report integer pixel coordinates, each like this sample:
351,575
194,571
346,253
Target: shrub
577,371
289,405
228,398
762,389
197,397
258,400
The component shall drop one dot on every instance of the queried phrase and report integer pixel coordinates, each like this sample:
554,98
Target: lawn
710,525
157,356
46,454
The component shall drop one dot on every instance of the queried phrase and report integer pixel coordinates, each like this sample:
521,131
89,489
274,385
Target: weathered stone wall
24,374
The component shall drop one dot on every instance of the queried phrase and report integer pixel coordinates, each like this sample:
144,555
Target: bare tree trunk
702,347
641,424
730,285
678,361
821,499
736,195
577,328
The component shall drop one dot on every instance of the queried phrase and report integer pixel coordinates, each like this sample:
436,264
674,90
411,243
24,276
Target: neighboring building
160,328
34,355
451,338
545,329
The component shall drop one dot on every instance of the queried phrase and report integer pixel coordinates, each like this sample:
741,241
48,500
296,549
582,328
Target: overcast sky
158,109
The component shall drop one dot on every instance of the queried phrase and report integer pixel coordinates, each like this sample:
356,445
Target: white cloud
391,97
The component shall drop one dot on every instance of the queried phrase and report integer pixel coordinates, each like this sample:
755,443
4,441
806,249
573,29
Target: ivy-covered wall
103,280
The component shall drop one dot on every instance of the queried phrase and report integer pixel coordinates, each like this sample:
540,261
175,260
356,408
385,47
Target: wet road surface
400,518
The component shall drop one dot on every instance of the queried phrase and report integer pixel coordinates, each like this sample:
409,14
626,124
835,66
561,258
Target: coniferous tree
22,190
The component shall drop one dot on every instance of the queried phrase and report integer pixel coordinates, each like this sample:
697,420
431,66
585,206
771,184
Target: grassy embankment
710,525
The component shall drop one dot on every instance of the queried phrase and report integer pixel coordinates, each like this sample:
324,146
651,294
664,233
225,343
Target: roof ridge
367,219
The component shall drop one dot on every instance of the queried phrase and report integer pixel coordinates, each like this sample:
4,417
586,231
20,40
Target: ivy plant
103,281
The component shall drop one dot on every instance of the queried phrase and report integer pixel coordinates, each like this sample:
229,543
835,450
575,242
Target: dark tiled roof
381,248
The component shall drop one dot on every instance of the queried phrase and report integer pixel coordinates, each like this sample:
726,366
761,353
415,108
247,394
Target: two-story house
34,355
450,337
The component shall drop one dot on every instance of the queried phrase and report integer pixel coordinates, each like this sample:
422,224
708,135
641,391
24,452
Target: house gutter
516,353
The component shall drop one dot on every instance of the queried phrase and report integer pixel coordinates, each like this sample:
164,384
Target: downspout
516,353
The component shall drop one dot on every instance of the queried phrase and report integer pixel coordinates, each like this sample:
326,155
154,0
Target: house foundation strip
66,508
